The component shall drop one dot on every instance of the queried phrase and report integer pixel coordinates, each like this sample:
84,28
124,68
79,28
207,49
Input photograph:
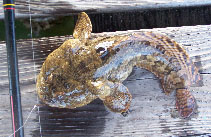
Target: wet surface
152,113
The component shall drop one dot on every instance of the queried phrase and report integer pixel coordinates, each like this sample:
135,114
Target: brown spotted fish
85,68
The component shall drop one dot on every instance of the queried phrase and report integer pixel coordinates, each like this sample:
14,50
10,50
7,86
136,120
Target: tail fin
185,102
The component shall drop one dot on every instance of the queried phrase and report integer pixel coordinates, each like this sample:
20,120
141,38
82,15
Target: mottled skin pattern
85,68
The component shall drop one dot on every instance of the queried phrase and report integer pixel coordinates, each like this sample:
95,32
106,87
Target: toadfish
84,68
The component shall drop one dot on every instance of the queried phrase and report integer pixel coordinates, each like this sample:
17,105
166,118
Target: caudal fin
185,102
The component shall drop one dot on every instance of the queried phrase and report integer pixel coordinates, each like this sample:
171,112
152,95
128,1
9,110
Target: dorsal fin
83,27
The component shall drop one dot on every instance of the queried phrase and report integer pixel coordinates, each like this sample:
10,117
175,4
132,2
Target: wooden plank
152,112
66,7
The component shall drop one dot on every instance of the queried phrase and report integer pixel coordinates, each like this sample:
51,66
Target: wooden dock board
152,112
66,7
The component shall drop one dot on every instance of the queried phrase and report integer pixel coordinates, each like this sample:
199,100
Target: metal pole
13,74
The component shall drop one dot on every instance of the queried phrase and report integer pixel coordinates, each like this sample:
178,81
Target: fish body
85,68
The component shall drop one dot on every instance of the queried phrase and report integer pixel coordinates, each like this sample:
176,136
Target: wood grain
43,8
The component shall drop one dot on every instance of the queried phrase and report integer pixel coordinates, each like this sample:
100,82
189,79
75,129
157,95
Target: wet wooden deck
152,112
45,8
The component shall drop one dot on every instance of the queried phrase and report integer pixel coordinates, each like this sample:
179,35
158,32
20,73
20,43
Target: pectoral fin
115,96
119,100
